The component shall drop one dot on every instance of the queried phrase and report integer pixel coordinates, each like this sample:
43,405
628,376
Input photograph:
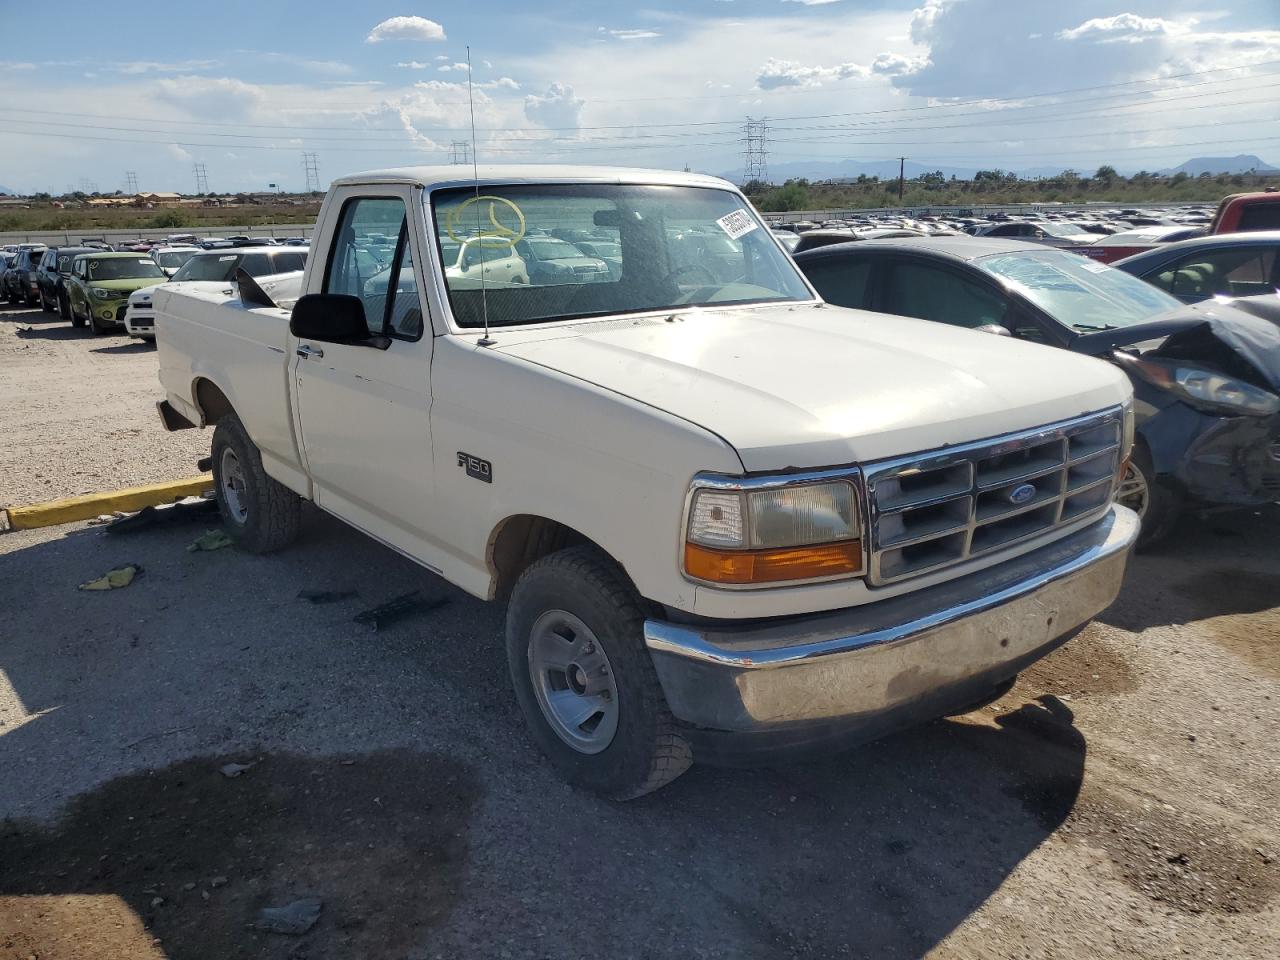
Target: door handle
307,352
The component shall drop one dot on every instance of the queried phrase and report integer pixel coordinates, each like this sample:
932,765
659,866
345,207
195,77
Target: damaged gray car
1206,377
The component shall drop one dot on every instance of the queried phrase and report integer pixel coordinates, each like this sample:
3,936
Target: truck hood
805,386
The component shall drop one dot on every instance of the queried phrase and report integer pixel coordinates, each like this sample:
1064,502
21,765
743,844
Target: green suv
100,283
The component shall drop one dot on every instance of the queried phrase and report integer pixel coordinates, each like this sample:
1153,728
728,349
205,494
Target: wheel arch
210,401
520,540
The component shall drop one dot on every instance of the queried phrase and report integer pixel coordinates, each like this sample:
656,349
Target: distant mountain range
1240,163
888,169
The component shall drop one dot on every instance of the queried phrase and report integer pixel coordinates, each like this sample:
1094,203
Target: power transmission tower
202,179
460,152
311,166
756,151
130,182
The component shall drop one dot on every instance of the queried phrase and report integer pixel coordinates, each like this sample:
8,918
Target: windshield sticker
1094,266
737,224
225,259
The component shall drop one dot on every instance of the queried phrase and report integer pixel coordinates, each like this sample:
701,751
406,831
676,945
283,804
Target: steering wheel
689,268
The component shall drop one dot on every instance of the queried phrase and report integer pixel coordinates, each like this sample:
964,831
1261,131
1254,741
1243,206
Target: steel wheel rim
231,482
573,681
1134,491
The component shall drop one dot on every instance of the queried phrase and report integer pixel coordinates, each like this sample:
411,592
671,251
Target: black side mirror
333,318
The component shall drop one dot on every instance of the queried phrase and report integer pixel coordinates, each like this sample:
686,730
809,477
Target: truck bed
213,335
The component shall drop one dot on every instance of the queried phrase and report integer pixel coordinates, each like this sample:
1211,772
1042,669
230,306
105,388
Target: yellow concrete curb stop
91,505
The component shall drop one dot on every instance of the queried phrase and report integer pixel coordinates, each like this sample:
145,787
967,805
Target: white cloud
558,108
13,65
638,34
413,65
923,19
442,56
897,65
787,73
406,28
135,67
221,97
1127,28
448,67
812,3
332,68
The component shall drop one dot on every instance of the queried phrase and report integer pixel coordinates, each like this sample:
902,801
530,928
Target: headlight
762,532
98,293
1204,388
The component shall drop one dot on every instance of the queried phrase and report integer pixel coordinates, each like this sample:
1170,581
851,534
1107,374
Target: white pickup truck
728,520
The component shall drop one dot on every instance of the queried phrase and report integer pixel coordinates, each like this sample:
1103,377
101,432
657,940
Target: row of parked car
1105,235
95,286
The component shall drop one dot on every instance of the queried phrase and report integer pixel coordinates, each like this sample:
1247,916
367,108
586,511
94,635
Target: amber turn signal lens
772,566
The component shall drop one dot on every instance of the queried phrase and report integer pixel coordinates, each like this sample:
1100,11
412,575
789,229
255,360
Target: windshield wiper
1094,326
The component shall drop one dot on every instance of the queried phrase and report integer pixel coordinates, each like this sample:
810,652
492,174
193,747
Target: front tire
64,309
259,513
1157,504
584,678
44,304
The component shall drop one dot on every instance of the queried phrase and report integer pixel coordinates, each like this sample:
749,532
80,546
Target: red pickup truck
1237,213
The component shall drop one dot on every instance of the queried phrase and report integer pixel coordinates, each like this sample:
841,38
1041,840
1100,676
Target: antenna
486,340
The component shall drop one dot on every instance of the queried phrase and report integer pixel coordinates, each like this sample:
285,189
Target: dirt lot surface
1120,801
78,414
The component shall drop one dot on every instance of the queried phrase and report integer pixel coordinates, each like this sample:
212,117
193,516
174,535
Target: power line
311,167
202,179
1017,103
994,118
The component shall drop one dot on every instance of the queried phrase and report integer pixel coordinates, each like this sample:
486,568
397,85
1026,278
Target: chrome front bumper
855,674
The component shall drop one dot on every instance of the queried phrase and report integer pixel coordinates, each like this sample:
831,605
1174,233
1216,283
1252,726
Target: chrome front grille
940,508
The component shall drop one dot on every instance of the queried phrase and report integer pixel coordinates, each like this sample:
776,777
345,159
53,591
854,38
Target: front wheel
584,678
64,309
259,513
1155,502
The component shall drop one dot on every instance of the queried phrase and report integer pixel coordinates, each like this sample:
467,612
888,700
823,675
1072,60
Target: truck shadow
177,861
881,852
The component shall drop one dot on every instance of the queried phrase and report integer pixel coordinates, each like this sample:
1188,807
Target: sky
246,88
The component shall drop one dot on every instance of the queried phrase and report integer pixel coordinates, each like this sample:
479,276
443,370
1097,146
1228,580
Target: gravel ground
1119,801
77,412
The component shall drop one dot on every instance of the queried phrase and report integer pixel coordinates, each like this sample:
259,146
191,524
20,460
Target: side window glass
404,312
919,290
842,282
1240,272
1260,216
360,263
256,264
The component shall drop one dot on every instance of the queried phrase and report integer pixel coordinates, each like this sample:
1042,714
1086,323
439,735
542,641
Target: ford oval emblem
1021,494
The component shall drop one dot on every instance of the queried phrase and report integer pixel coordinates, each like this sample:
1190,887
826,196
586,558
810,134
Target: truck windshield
667,247
1077,292
124,268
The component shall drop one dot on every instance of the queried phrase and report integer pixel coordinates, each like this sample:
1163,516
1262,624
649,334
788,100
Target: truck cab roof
455,176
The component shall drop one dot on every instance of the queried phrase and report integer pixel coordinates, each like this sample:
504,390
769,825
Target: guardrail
72,236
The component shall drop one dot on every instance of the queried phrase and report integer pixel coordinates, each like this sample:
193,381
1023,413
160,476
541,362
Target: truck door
363,412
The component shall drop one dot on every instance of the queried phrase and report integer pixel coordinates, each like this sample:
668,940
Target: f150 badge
477,468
